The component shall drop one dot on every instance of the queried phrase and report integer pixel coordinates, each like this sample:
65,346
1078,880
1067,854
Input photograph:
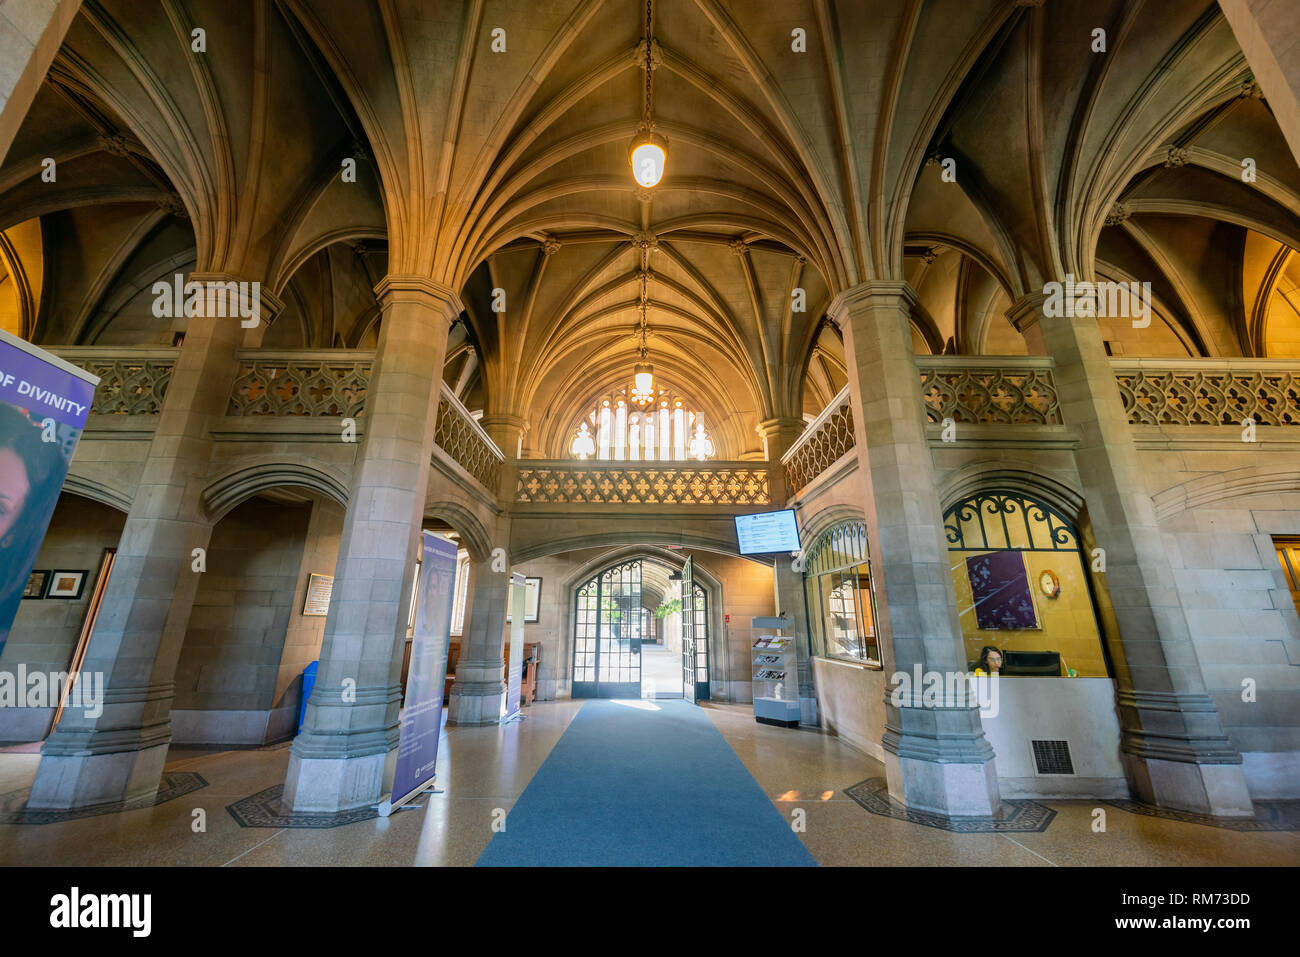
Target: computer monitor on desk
1032,664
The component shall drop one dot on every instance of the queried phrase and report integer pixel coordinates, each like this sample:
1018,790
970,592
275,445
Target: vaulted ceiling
807,153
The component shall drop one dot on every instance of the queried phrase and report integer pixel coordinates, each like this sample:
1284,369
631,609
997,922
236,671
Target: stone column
778,435
30,35
478,695
1173,746
345,754
506,432
787,582
146,609
939,759
1268,32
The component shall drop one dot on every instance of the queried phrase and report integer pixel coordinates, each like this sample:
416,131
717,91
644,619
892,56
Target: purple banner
43,407
417,746
999,587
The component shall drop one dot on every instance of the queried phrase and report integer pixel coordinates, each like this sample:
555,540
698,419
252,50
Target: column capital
779,433
422,290
1026,311
505,429
870,292
507,420
269,304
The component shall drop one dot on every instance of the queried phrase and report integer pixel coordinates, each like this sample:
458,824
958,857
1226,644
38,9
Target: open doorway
629,622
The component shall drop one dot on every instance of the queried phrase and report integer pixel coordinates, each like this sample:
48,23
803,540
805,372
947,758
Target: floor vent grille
1052,757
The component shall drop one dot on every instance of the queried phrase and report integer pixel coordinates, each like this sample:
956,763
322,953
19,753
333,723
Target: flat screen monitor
1032,664
767,532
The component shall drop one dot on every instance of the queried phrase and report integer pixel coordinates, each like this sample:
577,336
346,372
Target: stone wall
1219,527
1220,503
45,632
230,664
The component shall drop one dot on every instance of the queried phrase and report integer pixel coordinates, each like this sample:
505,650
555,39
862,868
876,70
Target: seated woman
989,661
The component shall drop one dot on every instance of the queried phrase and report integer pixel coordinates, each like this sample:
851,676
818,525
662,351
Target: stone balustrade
827,438
1188,392
460,436
131,381
316,383
980,390
642,483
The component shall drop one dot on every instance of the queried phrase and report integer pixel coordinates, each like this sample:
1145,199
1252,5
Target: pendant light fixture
643,373
648,152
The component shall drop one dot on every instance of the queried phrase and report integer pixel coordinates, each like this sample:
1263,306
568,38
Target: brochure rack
775,681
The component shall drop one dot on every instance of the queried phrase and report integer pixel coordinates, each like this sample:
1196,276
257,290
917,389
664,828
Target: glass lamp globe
649,157
643,383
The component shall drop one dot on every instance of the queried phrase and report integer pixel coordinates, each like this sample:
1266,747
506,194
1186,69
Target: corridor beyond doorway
661,672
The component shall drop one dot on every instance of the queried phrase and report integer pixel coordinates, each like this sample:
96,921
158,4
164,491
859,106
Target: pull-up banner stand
515,675
421,726
44,402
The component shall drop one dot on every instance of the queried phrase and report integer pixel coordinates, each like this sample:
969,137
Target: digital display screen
767,532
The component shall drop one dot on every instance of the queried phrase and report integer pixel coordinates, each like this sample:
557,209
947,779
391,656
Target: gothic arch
226,492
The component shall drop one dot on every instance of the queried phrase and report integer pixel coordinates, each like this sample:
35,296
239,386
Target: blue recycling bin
308,682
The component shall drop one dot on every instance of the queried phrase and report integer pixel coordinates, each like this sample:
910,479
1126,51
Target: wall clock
1049,583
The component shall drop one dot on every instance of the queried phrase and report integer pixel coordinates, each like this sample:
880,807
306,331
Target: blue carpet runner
630,786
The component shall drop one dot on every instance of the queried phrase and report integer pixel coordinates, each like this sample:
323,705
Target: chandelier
648,152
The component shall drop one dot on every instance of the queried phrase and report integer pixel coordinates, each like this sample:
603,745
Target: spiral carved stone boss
279,386
1210,396
558,484
1014,396
455,436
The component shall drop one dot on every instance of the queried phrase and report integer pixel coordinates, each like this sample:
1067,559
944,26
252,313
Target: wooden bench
527,680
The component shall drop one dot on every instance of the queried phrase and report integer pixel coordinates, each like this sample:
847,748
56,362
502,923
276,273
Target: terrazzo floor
483,771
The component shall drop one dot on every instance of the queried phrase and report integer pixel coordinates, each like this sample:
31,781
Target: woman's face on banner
14,486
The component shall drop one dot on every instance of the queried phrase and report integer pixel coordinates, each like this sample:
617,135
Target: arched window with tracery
841,603
665,429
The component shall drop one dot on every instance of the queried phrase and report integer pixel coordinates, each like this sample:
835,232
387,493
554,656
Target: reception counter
1077,711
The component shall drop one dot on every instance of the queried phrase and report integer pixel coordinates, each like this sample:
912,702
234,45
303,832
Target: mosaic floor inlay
1269,816
1017,815
174,784
265,809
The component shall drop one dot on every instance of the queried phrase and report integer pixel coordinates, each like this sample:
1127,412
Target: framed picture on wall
36,583
532,600
319,590
999,585
66,584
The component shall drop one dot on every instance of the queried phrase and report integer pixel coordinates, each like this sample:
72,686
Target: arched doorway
615,651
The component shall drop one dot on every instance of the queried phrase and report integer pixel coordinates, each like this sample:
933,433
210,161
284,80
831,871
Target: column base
326,785
953,790
1218,790
66,781
468,708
